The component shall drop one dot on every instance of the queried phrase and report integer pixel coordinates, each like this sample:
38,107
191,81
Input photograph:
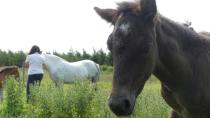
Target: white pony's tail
97,76
98,68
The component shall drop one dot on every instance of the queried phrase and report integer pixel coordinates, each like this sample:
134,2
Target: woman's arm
26,64
45,66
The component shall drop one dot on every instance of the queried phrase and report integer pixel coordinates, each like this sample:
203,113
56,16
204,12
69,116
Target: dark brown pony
144,42
6,71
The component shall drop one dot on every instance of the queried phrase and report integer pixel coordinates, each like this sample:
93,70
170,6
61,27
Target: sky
62,25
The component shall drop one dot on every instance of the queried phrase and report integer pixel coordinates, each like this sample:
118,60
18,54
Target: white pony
67,72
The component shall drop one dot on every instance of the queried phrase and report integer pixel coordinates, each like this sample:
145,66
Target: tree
17,58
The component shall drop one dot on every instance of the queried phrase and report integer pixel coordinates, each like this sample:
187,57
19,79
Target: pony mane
184,30
133,7
53,57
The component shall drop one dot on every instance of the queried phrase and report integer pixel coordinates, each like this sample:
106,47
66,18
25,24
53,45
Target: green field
77,100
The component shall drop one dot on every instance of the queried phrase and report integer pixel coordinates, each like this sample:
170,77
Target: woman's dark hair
35,49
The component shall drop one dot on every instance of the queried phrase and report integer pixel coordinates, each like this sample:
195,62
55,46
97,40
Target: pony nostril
127,103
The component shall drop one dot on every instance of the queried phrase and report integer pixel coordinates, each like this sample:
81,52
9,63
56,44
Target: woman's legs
32,79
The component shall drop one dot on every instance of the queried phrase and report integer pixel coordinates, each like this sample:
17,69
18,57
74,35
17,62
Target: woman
35,63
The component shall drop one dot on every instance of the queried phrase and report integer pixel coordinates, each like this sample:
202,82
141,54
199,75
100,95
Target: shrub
70,101
106,68
13,100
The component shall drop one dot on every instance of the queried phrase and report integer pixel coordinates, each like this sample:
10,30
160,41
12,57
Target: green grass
77,100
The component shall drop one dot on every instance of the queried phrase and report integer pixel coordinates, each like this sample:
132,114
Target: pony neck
49,60
175,44
52,60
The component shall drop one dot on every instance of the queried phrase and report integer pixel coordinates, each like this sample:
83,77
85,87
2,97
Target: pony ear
110,15
148,9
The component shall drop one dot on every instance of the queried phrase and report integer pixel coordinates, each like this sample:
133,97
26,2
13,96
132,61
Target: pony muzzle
121,106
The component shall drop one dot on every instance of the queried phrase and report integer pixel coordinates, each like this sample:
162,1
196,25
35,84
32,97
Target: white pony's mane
53,57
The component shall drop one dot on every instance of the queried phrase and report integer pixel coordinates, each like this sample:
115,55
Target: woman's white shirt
35,62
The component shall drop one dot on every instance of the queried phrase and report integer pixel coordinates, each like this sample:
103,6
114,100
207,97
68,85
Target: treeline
17,58
8,58
98,56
